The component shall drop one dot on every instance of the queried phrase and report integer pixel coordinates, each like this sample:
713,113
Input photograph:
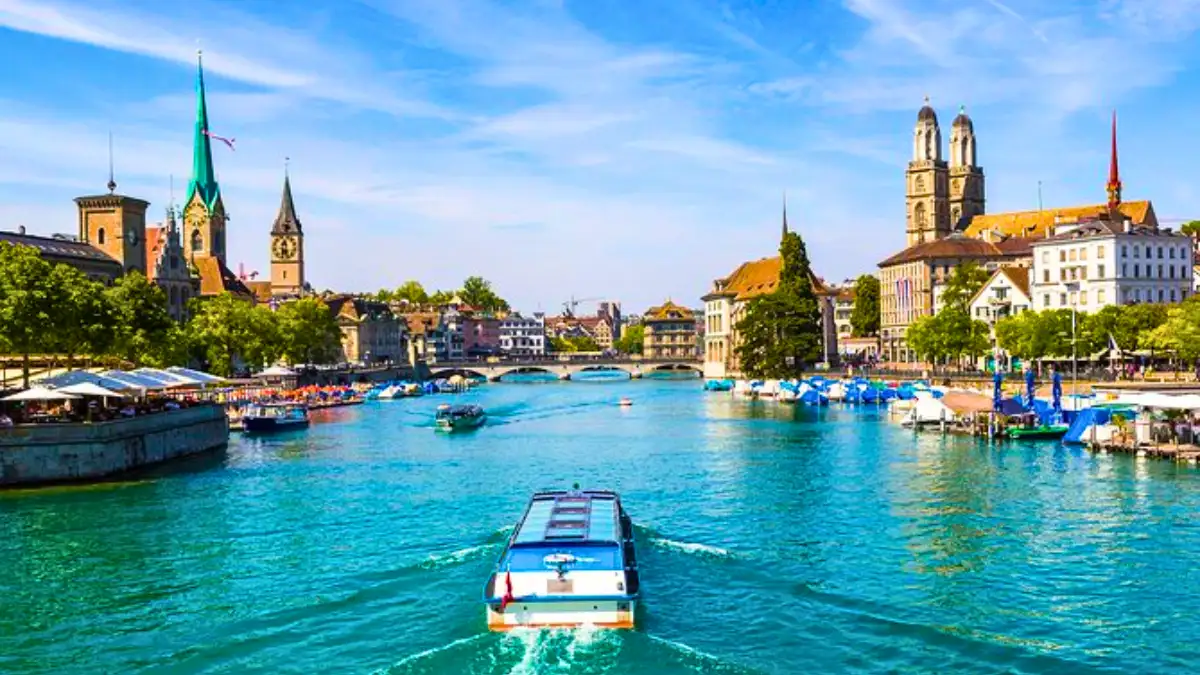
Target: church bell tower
204,214
287,246
927,185
966,178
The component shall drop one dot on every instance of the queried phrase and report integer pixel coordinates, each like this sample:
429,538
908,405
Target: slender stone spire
1114,171
785,223
112,176
286,220
204,177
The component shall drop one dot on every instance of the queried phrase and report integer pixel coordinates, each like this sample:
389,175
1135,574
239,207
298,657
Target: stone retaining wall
47,453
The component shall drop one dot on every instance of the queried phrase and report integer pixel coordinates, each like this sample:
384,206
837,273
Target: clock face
285,248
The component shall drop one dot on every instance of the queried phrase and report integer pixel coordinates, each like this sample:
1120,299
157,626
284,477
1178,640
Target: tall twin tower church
942,198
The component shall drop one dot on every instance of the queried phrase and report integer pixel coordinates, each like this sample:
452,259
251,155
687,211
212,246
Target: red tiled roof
216,279
958,246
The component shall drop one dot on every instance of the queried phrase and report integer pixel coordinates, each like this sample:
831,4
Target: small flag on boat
226,141
508,594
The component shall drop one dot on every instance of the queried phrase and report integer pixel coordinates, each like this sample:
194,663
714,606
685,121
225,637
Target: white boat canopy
277,371
90,389
40,394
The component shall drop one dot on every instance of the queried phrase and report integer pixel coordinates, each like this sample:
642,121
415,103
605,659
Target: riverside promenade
32,454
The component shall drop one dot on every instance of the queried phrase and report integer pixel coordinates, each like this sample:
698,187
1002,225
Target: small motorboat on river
459,417
570,562
272,417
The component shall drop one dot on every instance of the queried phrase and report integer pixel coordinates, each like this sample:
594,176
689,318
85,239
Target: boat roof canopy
570,518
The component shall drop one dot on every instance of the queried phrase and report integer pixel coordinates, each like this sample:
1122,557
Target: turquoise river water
772,540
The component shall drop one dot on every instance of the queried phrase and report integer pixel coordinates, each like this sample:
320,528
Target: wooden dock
1178,453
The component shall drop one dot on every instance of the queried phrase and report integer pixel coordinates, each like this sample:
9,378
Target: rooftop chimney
1128,225
20,229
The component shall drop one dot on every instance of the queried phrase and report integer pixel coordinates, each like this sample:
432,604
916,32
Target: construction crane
571,305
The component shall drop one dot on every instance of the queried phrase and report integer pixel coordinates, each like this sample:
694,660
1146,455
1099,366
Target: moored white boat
271,417
569,563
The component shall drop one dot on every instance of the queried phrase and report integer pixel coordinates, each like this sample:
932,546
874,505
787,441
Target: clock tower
287,247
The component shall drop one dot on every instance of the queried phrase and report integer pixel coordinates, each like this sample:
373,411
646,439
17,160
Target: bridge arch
607,368
679,367
436,373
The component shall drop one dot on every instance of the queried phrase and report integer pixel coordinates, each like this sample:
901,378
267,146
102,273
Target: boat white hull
565,614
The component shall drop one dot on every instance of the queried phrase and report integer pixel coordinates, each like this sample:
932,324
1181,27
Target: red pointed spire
1114,171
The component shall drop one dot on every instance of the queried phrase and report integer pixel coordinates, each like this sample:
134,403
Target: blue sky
632,150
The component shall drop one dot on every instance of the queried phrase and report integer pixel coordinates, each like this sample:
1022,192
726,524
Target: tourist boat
1039,432
270,417
569,563
458,417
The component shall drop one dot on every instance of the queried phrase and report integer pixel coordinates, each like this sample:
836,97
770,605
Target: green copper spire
204,178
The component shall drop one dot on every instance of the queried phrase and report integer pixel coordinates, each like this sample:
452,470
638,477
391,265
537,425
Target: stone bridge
565,370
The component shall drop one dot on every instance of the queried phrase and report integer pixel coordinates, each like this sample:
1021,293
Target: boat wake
698,661
518,652
440,560
691,548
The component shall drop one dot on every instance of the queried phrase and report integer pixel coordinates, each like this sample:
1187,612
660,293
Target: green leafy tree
962,285
761,350
781,331
263,342
143,324
802,328
308,332
85,319
631,340
225,329
438,298
1180,333
478,292
584,343
28,301
1191,228
960,335
864,320
924,338
412,292
562,345
1126,324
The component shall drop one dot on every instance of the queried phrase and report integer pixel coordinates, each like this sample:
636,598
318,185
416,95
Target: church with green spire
204,215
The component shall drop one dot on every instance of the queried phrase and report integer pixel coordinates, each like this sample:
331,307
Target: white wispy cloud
548,157
235,45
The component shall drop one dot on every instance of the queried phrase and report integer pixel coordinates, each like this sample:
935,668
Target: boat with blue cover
271,417
570,562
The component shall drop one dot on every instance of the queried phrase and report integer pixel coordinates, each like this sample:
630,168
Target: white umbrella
40,394
89,389
277,371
